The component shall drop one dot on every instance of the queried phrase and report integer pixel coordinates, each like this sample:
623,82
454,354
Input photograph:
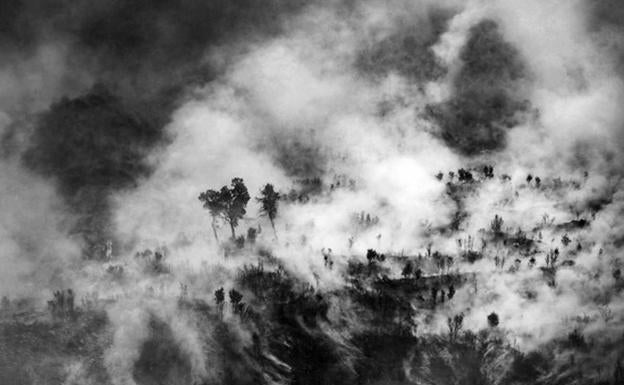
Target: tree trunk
214,230
232,228
273,226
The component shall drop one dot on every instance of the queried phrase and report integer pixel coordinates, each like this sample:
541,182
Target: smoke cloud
115,116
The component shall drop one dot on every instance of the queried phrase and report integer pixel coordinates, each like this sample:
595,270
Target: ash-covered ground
311,192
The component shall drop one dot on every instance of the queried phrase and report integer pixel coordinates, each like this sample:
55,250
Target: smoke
86,92
486,96
37,253
99,74
293,107
116,116
289,109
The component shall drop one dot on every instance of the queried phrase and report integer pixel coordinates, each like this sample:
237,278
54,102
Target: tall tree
268,200
228,203
213,202
238,196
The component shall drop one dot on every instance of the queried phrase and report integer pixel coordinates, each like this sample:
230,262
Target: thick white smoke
301,99
302,87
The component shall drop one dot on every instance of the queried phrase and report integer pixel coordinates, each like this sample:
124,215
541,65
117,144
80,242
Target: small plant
493,320
488,171
235,301
408,270
451,292
240,241
235,297
252,234
455,325
464,175
63,304
565,240
551,258
576,340
497,225
372,256
219,296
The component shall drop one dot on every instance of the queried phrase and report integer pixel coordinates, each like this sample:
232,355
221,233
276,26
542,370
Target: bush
493,319
497,225
576,340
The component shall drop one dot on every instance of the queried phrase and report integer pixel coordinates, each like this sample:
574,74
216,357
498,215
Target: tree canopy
268,200
229,203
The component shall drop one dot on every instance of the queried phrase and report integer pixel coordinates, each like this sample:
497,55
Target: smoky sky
367,109
484,103
407,50
133,63
138,58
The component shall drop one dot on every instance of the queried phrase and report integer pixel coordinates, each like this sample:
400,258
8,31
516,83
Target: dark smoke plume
485,102
407,51
141,56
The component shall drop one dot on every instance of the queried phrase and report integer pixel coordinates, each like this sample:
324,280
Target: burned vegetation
266,324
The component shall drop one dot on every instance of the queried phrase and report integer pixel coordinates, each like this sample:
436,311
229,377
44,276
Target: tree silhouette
268,200
220,299
219,296
497,225
235,301
565,240
455,326
373,256
213,202
551,258
228,203
235,296
235,206
451,291
408,270
493,319
252,234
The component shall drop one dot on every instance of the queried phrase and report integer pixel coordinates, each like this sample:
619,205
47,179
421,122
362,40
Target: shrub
493,319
